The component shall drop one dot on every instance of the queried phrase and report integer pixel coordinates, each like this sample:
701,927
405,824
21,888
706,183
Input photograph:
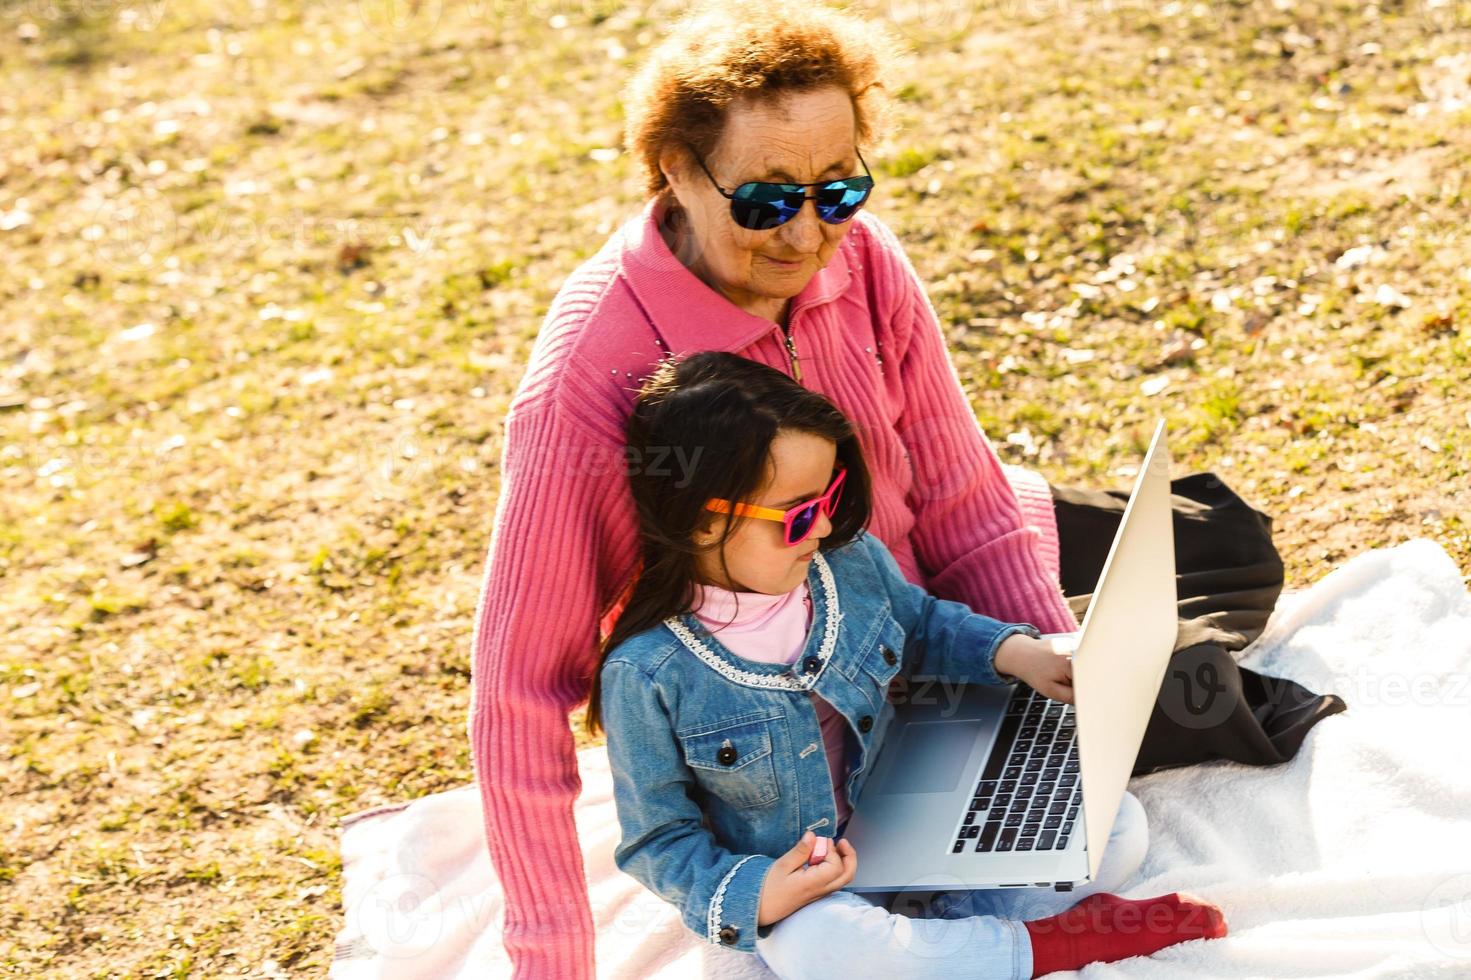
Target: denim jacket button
810,665
865,723
726,755
729,935
889,657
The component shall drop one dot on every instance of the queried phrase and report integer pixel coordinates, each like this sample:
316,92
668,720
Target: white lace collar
825,616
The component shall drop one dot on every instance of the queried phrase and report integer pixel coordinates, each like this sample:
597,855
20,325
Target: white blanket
1351,860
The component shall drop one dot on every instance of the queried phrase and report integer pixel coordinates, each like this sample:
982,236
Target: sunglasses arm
721,506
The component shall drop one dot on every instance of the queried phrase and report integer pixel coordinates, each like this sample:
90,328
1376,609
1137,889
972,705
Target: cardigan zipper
792,355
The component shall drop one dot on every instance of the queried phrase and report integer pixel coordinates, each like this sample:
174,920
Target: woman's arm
562,541
969,535
665,845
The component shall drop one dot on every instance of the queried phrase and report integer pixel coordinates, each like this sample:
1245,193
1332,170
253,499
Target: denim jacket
718,763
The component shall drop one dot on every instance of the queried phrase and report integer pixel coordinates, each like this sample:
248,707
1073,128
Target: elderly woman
741,118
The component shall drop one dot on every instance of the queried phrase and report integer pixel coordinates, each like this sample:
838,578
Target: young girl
743,693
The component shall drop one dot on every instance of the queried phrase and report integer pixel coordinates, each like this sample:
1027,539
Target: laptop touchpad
931,756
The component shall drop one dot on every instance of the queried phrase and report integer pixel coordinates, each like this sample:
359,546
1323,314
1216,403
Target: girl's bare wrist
1007,654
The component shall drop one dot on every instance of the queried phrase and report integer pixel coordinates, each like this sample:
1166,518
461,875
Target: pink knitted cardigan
564,539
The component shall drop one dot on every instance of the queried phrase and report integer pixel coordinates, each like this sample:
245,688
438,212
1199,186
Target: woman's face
798,468
798,137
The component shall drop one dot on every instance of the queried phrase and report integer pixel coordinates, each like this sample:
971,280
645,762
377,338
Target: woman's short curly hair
726,50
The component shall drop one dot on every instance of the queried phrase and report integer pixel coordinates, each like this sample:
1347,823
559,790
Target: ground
272,270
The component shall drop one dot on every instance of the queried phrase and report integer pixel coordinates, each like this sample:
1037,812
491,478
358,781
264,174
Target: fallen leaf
1387,295
1177,349
141,554
1438,322
1359,255
1024,440
352,255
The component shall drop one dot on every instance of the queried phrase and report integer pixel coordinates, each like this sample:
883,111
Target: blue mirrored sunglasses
761,205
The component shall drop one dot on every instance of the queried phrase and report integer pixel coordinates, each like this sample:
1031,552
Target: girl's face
799,467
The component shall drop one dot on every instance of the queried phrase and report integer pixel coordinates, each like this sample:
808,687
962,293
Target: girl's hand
791,882
1036,663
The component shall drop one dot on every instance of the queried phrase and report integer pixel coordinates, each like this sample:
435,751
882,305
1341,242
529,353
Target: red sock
1104,927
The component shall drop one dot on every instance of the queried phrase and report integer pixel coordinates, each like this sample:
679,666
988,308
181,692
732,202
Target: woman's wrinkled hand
1037,664
791,882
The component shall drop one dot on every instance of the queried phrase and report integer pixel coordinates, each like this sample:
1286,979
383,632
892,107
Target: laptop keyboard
1029,795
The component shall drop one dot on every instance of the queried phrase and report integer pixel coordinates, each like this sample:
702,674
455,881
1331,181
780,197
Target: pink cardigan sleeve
558,547
970,535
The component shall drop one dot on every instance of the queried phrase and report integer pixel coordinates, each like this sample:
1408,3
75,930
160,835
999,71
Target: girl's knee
843,935
1131,811
831,923
1132,823
1127,843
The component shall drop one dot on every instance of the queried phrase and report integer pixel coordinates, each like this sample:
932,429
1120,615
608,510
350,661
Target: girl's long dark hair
702,427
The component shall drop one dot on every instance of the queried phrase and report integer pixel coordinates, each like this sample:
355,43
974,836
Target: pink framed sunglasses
797,522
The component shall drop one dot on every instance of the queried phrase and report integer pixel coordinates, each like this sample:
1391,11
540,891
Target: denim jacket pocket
883,661
734,762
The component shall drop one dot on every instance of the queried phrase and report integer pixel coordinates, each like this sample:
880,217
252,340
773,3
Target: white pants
969,933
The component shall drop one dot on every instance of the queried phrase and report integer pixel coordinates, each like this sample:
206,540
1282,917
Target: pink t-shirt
773,629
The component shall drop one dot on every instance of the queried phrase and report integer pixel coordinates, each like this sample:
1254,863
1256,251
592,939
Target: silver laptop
998,786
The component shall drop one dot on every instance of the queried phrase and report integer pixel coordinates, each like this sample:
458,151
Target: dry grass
273,269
